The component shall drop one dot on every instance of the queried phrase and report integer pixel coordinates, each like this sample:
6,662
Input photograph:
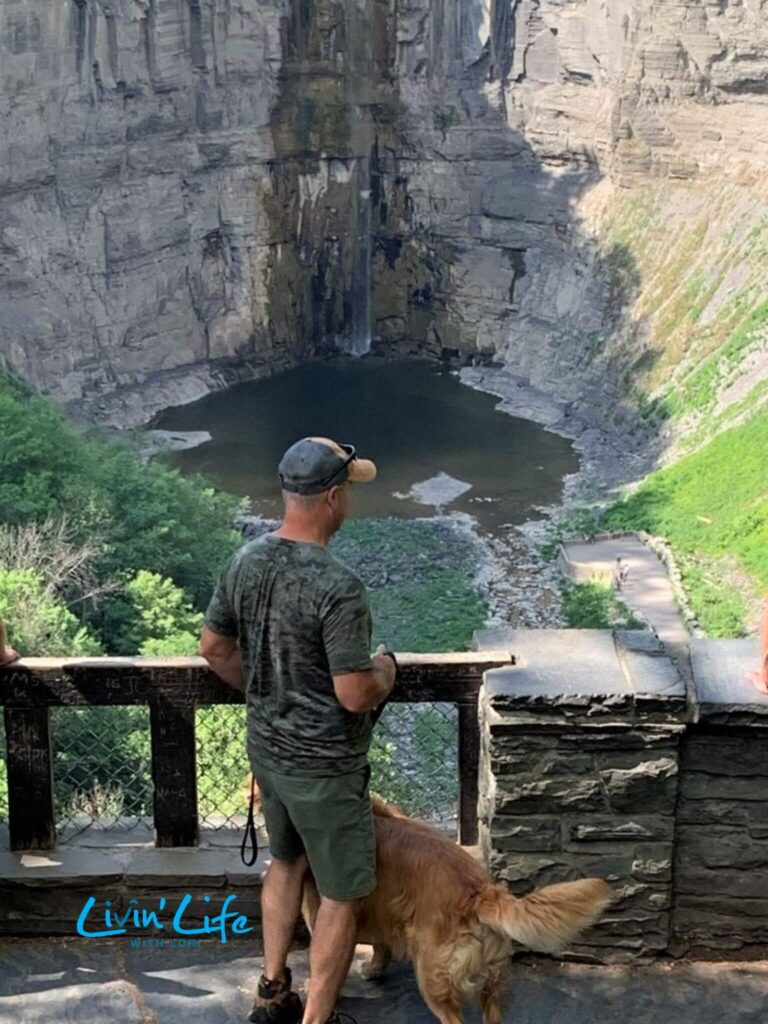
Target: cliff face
594,172
195,190
181,182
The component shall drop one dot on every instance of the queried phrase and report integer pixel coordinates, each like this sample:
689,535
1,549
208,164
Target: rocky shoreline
522,588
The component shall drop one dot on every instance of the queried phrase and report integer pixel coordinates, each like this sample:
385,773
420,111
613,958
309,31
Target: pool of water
415,420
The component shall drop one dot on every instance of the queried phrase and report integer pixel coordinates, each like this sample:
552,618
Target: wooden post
469,767
174,773
30,778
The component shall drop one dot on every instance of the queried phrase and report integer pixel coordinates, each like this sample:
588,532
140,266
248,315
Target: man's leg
275,1002
280,907
334,819
330,954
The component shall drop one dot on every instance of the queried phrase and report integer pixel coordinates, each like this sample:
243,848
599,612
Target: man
292,627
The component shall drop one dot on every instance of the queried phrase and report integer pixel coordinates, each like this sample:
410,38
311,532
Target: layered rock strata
196,191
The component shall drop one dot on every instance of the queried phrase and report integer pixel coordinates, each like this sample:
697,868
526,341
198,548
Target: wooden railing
172,689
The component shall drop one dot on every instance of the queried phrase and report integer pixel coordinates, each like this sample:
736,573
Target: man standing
291,626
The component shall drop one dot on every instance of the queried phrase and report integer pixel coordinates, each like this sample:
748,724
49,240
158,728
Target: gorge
568,193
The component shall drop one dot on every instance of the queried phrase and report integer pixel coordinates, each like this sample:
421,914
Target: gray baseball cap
315,464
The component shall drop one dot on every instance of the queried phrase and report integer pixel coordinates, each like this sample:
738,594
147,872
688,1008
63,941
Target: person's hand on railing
7,653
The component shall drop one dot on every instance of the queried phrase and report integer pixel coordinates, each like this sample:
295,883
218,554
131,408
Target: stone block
726,755
650,786
723,692
555,663
551,763
636,829
64,866
181,867
549,796
529,835
721,883
713,846
695,786
653,864
749,815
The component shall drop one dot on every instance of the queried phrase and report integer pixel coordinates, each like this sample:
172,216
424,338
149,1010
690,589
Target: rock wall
196,190
602,756
181,185
590,176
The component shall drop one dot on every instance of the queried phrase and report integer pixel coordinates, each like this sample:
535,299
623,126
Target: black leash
250,833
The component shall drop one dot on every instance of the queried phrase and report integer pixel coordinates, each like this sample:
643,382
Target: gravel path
647,591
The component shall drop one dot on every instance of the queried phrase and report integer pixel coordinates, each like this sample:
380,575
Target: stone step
44,892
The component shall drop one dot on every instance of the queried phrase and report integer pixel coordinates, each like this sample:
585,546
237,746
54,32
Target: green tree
160,619
39,624
143,515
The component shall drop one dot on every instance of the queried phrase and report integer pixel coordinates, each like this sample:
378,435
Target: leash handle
250,834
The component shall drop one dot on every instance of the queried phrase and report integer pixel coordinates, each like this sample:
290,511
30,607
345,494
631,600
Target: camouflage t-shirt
301,617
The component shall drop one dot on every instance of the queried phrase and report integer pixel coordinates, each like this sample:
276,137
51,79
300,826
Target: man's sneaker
275,1003
340,1017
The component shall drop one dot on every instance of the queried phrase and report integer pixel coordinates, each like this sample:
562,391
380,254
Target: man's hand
759,678
364,691
8,655
223,655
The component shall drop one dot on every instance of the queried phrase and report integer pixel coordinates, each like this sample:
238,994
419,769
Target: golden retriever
436,905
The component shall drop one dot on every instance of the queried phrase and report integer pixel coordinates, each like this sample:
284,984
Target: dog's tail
384,810
549,918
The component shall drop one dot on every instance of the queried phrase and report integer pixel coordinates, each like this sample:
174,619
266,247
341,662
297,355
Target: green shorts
330,819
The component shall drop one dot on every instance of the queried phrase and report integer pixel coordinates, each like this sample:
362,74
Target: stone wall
603,756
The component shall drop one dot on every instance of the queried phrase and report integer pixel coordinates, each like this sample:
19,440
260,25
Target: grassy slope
713,507
689,266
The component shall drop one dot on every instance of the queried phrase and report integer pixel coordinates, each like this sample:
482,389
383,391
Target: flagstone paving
80,981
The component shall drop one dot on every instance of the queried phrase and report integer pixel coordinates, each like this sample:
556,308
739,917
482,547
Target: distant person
7,653
624,573
291,626
617,573
759,678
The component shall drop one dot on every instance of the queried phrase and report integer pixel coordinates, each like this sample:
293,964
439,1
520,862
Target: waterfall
359,342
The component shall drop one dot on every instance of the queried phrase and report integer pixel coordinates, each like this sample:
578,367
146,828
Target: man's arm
361,682
363,691
223,655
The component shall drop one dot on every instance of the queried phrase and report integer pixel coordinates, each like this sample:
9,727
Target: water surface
413,419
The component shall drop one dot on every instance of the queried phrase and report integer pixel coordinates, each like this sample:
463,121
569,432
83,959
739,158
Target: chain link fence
102,768
103,771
